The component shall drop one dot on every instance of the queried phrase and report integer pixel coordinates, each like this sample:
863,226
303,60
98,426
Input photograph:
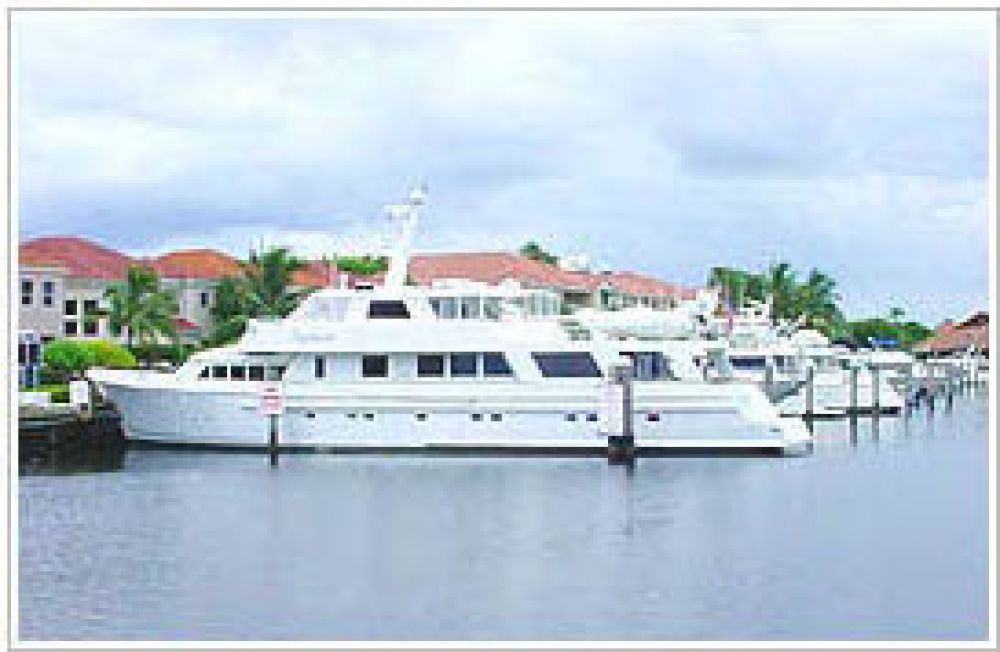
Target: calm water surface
881,536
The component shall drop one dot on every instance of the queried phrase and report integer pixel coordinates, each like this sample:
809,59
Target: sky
665,143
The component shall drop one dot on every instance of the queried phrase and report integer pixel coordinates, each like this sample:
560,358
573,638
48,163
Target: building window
70,307
320,366
27,290
90,327
567,364
48,289
388,310
495,364
430,366
204,299
89,306
375,366
463,365
70,328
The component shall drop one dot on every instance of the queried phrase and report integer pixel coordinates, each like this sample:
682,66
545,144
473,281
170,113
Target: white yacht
400,368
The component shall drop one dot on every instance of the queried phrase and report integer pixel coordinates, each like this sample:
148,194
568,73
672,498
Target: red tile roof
949,336
316,273
196,263
80,258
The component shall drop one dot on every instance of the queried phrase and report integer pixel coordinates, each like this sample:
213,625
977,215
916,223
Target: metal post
621,445
810,392
950,396
876,407
908,389
272,442
855,372
769,380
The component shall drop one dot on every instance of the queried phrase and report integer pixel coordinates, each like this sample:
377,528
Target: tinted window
90,327
495,364
219,371
574,364
203,373
255,372
430,366
275,373
463,364
70,328
388,310
238,373
374,366
320,366
753,362
70,307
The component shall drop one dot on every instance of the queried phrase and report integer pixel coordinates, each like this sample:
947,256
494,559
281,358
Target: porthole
352,415
369,416
421,416
310,415
571,417
592,417
496,417
653,416
477,417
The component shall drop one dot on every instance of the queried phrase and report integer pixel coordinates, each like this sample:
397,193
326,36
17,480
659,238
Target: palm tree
780,285
816,301
141,308
263,290
534,251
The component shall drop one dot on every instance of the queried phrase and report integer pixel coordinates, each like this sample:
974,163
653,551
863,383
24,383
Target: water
883,536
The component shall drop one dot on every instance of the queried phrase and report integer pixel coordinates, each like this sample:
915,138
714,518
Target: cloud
662,142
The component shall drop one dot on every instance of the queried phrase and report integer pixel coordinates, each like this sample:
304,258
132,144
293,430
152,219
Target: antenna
403,222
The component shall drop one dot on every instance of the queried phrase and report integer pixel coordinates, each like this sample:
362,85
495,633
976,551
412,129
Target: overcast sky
664,143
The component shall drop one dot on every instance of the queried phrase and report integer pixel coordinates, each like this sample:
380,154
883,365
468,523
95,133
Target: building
64,279
971,334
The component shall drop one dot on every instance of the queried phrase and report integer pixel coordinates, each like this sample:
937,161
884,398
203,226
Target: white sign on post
612,415
79,392
272,401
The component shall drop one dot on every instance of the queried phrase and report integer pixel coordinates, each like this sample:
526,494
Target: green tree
109,354
141,308
781,288
534,251
67,357
816,301
264,289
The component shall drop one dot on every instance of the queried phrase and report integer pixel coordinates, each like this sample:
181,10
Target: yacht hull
484,416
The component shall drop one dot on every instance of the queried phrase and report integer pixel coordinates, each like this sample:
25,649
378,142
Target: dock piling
272,440
876,406
810,392
855,371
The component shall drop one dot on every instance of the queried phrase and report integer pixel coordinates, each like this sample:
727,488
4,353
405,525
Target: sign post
272,405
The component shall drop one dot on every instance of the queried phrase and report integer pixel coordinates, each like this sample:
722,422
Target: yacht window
219,371
470,308
430,366
320,366
495,364
649,365
463,365
388,310
436,306
748,362
447,308
256,372
203,373
237,372
567,364
375,366
274,373
491,308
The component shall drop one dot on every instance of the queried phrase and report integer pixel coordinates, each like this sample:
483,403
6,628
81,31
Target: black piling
272,440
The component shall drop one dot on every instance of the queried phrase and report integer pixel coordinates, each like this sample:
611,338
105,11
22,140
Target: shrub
109,354
66,357
58,393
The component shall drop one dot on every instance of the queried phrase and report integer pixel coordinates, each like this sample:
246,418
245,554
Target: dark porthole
571,417
496,417
352,415
477,417
653,416
369,416
592,417
421,416
310,415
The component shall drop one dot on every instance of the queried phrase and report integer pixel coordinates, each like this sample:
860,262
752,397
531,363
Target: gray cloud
663,142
